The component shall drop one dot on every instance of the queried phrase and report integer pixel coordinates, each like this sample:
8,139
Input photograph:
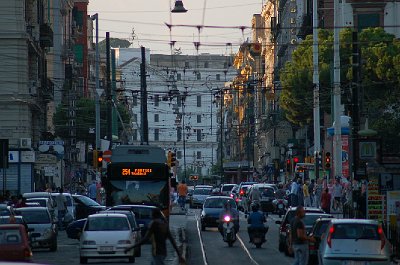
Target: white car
354,242
106,235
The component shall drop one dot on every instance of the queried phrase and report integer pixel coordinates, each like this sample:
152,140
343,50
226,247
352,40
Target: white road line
201,241
246,250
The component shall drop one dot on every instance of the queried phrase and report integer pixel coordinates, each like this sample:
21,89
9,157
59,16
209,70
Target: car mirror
278,222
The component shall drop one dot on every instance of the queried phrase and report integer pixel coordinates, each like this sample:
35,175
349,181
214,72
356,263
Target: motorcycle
257,236
280,206
229,234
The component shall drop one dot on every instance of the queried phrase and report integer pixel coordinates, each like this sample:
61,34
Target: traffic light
99,159
94,159
327,160
295,160
288,165
173,159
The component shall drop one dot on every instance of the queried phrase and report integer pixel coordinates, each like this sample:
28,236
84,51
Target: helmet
254,207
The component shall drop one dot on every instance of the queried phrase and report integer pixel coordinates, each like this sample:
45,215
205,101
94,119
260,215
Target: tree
85,119
114,43
380,53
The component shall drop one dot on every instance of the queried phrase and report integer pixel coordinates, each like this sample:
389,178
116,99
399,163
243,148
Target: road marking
201,241
246,250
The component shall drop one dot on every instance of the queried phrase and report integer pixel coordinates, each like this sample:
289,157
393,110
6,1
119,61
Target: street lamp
178,8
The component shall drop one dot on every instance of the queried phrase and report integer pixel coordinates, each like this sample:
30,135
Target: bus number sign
136,171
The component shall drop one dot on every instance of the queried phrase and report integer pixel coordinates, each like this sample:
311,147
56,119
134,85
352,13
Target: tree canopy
85,119
380,84
114,43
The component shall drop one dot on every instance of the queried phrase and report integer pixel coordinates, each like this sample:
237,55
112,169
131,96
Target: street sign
107,155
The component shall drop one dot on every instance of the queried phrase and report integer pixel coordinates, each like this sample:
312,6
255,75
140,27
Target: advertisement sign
52,147
375,201
393,206
345,156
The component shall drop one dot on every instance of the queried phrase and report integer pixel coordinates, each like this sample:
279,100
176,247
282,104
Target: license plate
354,262
106,248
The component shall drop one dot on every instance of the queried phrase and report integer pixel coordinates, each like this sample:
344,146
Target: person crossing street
182,193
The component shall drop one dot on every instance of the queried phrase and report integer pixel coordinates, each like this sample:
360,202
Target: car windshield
356,231
87,201
309,219
227,187
6,220
34,216
107,223
202,191
10,236
268,192
292,214
218,203
130,216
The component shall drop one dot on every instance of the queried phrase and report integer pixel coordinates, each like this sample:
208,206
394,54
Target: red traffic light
288,161
295,159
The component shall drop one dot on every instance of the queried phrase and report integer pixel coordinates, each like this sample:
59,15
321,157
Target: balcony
46,35
306,26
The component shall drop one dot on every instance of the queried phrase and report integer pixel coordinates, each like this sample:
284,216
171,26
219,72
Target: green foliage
114,43
85,119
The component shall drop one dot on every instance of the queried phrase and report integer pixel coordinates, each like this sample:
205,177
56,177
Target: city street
210,249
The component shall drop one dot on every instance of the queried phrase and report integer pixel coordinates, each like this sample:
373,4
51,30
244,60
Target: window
156,100
292,20
179,76
368,20
198,155
218,77
156,118
156,134
198,76
134,135
205,64
198,118
179,134
187,65
134,118
179,101
134,100
198,101
198,135
179,154
198,170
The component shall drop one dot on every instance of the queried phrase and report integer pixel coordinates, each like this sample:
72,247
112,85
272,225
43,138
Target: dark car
317,230
74,229
143,214
85,206
286,220
212,208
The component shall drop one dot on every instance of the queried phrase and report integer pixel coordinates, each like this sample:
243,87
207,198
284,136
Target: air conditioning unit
25,142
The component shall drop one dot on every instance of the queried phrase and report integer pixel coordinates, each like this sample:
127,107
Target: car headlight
89,242
47,233
124,242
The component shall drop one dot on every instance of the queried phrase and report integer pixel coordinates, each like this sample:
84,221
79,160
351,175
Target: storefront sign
375,201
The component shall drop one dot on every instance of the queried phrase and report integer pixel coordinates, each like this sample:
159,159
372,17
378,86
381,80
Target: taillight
27,253
231,195
241,192
283,227
382,236
329,237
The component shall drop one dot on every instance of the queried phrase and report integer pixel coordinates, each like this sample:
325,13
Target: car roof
118,211
32,209
64,193
219,197
355,221
38,198
103,214
11,226
315,209
126,206
38,193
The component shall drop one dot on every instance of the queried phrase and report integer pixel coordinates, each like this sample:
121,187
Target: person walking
158,233
337,195
182,193
306,195
318,193
61,202
298,238
294,193
92,190
311,187
326,201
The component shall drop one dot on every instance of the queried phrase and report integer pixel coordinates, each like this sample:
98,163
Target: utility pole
96,96
143,99
356,67
222,135
337,140
317,134
113,93
108,90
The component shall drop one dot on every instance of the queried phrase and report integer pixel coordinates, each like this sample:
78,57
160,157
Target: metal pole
109,106
222,135
184,138
97,97
337,140
211,128
143,98
317,134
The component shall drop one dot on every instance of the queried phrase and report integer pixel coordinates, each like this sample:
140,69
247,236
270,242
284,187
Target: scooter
258,236
280,205
228,227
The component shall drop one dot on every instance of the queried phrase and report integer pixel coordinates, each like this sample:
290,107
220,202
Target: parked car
70,203
212,208
84,206
190,193
317,230
6,210
143,214
242,198
287,220
354,241
199,196
106,235
135,227
14,243
226,189
267,196
42,226
29,195
309,221
74,229
43,202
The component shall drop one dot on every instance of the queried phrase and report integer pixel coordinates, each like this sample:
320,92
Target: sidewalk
177,224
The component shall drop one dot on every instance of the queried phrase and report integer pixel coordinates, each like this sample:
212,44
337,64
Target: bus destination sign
136,171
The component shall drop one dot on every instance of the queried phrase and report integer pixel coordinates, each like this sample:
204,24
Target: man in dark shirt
159,233
299,239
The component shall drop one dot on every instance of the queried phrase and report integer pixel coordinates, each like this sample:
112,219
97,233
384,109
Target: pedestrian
21,202
92,190
182,193
48,188
311,187
158,233
298,238
300,195
337,195
318,193
293,193
61,203
326,201
306,195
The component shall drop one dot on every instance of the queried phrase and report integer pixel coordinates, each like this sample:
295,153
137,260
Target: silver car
107,235
354,242
199,196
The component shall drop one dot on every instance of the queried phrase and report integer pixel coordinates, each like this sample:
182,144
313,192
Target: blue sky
148,18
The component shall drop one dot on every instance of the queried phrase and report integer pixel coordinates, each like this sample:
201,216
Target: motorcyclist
256,222
233,213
